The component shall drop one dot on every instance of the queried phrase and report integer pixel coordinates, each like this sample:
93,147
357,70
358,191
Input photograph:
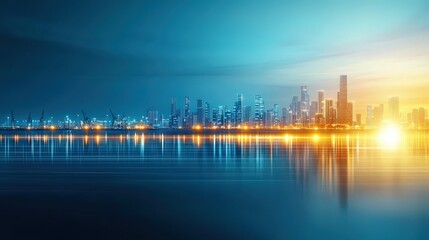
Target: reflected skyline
339,164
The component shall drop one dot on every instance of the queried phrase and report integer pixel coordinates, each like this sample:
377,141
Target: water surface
109,185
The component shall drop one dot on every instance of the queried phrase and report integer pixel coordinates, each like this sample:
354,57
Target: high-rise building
173,123
350,113
239,110
269,118
228,118
313,110
259,110
368,115
285,114
207,121
220,116
187,118
418,117
215,114
153,119
247,114
294,109
393,109
200,112
320,101
330,113
342,101
276,117
173,106
359,119
377,115
304,105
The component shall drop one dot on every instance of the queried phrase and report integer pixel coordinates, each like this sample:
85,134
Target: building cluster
376,115
301,112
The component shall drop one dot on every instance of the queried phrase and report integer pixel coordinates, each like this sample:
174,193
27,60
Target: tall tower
207,114
246,114
305,105
173,114
259,110
342,101
329,111
350,113
200,112
173,107
320,101
187,117
393,108
239,110
276,116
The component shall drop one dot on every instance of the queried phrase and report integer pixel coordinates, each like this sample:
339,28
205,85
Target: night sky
131,56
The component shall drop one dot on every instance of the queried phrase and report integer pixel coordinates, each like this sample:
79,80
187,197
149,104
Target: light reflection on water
358,172
334,162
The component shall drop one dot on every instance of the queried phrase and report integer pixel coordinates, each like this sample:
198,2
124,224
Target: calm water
67,185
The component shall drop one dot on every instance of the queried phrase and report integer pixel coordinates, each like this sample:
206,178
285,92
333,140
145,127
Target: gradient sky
66,55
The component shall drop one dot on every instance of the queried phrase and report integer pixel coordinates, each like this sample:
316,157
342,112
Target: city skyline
61,57
303,111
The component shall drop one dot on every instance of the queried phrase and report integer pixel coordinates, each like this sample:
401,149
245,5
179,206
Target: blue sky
136,55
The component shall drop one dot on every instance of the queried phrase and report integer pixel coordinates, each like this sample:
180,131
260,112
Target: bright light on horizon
389,135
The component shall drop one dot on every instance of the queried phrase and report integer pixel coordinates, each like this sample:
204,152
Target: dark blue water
65,185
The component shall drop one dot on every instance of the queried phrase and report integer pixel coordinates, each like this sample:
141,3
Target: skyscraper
314,107
200,112
330,112
153,119
187,118
215,117
359,119
269,118
368,114
393,109
350,113
276,115
173,106
320,101
173,123
304,105
247,114
259,110
294,109
342,101
207,121
284,116
220,116
239,110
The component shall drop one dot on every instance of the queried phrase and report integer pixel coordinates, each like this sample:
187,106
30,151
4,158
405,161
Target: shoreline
200,131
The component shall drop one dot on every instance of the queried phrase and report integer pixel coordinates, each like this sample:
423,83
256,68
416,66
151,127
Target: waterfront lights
197,127
389,135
